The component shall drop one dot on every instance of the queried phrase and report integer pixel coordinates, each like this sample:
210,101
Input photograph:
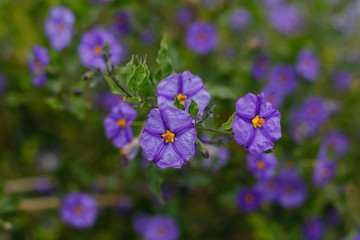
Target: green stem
213,130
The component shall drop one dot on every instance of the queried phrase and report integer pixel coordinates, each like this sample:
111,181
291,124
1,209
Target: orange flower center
202,36
168,136
121,122
38,65
260,165
182,98
162,231
61,26
257,122
249,198
98,49
79,209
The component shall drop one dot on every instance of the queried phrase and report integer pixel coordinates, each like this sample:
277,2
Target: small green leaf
269,151
154,179
193,109
132,99
226,126
106,47
163,59
203,149
178,104
114,88
54,103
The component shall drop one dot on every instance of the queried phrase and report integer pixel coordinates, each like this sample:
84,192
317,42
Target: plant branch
213,130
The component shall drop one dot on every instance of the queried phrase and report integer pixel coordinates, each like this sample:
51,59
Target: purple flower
59,27
121,23
108,100
285,18
185,15
274,96
268,188
240,19
337,141
313,229
256,125
307,65
169,137
283,78
260,67
248,199
124,205
342,80
201,37
37,64
148,36
139,222
186,86
292,191
118,124
43,185
78,210
272,3
3,83
161,227
262,165
324,171
218,158
91,47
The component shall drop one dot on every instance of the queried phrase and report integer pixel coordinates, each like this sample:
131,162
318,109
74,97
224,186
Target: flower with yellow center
98,49
249,198
257,122
168,136
182,98
260,165
121,122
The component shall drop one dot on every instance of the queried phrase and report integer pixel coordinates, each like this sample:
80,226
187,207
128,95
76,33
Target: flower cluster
37,64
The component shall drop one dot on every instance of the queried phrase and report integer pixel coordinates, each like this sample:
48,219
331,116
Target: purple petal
260,143
150,145
247,105
125,136
111,127
242,130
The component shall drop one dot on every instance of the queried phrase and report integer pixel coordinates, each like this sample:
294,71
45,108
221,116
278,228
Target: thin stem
119,85
213,130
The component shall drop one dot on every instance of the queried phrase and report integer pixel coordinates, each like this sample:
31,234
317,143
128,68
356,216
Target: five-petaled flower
262,165
168,138
37,64
118,124
248,199
256,125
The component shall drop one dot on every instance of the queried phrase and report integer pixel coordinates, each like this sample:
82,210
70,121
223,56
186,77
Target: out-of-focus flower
292,191
262,165
201,37
307,65
3,83
283,78
161,227
122,22
108,100
313,229
59,27
185,86
118,124
332,216
78,210
342,80
218,158
37,64
248,199
256,125
185,15
272,3
139,222
337,141
43,185
124,205
286,19
168,138
91,47
240,19
47,161
260,67
274,96
268,188
148,36
324,171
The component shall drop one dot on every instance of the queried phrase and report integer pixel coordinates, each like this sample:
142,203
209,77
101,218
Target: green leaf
132,99
139,76
114,88
54,103
203,149
178,104
226,126
154,179
193,109
163,59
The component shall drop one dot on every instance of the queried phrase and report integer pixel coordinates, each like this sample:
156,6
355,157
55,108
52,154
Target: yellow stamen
260,165
182,98
249,198
98,49
79,209
121,122
168,136
257,121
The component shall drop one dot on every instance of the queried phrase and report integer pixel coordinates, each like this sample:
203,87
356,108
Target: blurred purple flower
283,78
37,64
139,222
292,191
307,65
124,205
118,124
332,216
108,100
201,37
122,22
43,185
337,141
256,125
59,27
161,227
168,138
218,158
272,3
148,36
274,96
260,67
186,86
248,199
286,19
342,80
240,19
185,15
313,229
268,188
261,165
78,210
91,47
3,83
324,171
